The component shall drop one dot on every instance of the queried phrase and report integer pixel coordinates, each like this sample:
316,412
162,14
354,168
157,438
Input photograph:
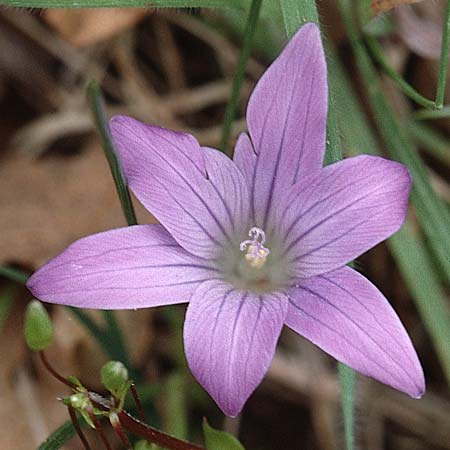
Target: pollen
256,254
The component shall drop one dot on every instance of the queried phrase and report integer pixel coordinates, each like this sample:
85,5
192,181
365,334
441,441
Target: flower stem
137,400
151,434
443,63
117,427
54,373
377,53
99,428
347,380
238,79
76,425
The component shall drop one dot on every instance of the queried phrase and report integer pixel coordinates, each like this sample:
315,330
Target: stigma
256,254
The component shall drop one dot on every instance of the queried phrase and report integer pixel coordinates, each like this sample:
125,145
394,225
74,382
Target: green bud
115,378
38,327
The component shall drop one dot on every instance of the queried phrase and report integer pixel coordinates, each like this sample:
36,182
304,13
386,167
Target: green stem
98,109
347,380
443,62
238,79
17,275
295,14
377,53
426,114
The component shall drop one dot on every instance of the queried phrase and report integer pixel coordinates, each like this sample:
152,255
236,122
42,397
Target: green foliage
38,327
219,440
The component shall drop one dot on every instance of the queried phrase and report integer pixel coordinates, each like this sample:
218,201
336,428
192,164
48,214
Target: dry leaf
48,203
83,27
379,6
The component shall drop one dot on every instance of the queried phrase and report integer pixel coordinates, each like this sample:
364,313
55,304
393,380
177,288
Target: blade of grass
60,436
430,140
422,280
443,63
17,275
98,109
295,14
113,333
239,75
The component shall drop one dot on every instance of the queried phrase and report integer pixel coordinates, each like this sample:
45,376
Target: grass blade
295,14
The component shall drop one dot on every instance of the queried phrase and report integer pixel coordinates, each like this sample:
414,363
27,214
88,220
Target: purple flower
254,243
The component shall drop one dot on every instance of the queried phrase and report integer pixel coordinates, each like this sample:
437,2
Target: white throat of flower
256,253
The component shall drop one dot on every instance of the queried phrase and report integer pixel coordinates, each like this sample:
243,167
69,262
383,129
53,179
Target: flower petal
230,338
245,157
287,120
132,267
331,218
181,184
348,317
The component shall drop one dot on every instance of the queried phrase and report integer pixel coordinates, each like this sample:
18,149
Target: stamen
256,252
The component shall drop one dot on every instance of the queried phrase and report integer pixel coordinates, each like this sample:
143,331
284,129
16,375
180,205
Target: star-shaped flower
254,243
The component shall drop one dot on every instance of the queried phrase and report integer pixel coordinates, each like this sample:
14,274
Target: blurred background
174,68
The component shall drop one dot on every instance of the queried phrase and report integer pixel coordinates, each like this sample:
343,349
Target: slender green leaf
430,140
98,110
239,76
123,3
420,276
60,436
295,14
17,275
219,440
443,62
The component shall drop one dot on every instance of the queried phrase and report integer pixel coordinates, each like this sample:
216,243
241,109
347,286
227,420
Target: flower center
251,266
256,254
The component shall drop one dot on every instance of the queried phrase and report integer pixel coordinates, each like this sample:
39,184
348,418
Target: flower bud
115,378
38,327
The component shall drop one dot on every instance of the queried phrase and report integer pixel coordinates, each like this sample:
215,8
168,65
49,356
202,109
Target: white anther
256,252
